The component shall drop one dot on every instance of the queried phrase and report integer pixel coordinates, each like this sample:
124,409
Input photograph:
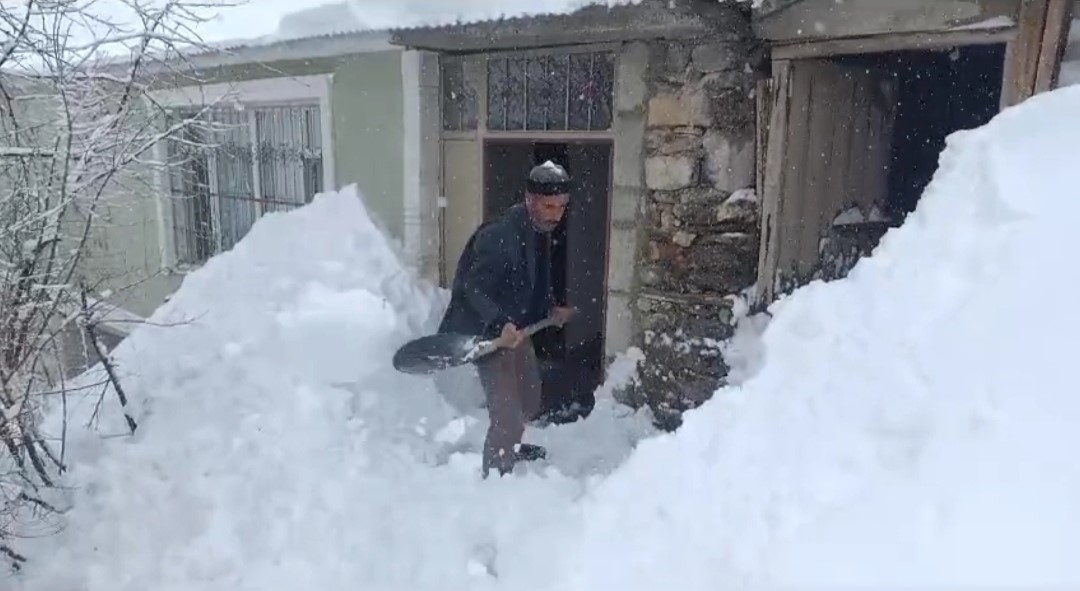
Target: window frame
475,76
312,90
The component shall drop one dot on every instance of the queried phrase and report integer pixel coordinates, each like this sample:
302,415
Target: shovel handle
536,327
491,346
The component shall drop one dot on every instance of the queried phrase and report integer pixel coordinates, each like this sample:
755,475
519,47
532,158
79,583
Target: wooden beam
1055,38
819,20
1022,55
895,42
775,145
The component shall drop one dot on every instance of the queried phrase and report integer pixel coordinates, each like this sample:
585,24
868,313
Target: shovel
436,352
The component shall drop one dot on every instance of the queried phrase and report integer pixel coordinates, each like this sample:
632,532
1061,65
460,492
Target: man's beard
542,226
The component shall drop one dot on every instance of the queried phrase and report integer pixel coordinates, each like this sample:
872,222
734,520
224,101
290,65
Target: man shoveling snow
503,283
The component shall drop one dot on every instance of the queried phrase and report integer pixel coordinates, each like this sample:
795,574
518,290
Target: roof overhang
254,52
795,21
592,24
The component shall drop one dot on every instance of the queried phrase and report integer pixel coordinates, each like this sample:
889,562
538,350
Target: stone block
676,58
731,107
741,208
623,256
669,173
650,276
660,217
715,57
674,141
696,206
626,204
729,164
683,238
629,154
722,264
630,77
619,324
712,264
669,197
688,107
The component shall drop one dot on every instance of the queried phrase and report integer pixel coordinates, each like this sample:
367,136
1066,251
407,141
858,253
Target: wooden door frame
1033,57
484,139
1034,48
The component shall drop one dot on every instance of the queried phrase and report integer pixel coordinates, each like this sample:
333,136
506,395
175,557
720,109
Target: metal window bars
239,165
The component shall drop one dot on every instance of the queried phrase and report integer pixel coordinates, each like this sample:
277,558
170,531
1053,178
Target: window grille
236,165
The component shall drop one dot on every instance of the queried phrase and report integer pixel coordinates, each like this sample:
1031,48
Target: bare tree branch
78,123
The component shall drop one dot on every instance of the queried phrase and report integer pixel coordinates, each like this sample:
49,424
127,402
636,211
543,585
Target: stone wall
699,229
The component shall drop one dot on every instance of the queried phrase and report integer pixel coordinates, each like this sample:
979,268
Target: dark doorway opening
936,94
572,358
939,92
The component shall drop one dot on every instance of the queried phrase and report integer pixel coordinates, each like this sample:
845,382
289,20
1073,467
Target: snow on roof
322,19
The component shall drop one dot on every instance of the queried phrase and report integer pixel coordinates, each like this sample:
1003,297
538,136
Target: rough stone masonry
700,239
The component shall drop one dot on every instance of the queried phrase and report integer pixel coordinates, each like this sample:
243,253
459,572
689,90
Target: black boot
527,452
523,452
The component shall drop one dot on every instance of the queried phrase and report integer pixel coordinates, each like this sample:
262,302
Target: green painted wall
127,255
368,115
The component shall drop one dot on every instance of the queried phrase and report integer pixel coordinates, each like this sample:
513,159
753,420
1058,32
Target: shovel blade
436,352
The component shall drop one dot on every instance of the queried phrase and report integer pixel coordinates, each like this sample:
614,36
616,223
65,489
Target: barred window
460,105
551,92
236,165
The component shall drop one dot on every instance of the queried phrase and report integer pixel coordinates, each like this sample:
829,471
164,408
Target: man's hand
511,337
562,314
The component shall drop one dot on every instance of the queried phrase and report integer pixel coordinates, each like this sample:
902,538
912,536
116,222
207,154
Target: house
296,116
720,151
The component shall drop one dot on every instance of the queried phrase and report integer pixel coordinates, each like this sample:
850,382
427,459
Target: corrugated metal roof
520,17
238,46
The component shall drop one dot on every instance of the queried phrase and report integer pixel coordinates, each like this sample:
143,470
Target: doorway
938,93
851,143
572,358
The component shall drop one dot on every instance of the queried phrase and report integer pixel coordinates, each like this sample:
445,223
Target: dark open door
828,147
587,240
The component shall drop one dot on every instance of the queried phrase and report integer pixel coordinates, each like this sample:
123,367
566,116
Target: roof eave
317,47
595,24
456,41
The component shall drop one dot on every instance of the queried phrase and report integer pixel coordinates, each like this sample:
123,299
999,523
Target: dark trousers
512,386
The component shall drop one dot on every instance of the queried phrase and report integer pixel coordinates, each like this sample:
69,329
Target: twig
114,380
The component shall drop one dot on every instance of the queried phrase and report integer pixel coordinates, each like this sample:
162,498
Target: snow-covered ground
277,444
912,425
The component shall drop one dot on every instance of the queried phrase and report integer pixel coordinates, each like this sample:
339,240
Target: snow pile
277,447
913,425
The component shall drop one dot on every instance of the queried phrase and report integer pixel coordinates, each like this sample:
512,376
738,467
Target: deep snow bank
278,449
915,424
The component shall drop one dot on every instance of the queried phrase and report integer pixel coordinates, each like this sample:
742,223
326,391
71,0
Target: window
243,163
551,92
460,111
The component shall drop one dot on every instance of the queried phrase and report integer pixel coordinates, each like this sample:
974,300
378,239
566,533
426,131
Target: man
502,285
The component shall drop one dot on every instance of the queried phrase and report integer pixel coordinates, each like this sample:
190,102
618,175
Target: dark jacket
496,278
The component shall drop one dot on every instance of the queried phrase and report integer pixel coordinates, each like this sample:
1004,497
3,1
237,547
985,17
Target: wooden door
827,148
